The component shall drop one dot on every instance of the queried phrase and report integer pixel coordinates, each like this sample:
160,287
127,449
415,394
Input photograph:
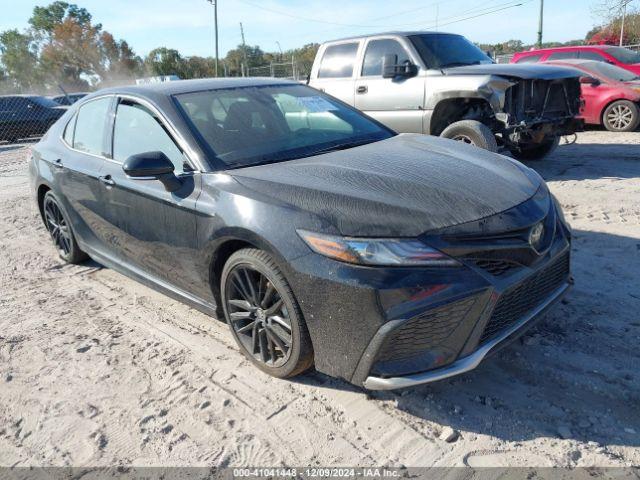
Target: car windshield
263,124
44,102
446,50
624,55
611,72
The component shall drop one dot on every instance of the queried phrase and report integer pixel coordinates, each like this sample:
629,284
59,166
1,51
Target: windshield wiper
340,146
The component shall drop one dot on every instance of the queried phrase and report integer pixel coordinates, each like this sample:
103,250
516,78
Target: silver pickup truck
442,84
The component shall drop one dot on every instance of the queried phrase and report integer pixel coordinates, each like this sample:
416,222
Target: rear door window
90,127
376,50
338,61
563,55
529,59
591,55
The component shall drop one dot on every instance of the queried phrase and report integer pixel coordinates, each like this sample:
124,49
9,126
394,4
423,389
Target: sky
187,25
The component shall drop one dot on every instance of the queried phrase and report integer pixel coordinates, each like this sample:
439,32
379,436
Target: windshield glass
253,125
624,55
45,102
446,50
611,72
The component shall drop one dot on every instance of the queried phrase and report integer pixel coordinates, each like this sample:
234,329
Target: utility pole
215,27
245,71
540,23
624,15
279,48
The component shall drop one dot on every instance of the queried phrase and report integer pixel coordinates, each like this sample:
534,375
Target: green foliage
19,59
63,47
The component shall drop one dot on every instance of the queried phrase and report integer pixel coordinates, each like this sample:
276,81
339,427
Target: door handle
362,89
58,163
107,180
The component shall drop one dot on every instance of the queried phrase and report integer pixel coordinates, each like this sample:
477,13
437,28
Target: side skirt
152,282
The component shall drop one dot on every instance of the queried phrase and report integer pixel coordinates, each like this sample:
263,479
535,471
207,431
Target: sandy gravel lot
96,369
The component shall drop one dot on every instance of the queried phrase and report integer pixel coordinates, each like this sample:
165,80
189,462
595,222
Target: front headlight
377,251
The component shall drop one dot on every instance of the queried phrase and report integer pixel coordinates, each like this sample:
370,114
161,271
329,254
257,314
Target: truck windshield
255,125
442,50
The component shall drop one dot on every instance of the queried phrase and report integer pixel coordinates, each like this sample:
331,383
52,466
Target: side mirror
152,166
391,69
594,82
389,63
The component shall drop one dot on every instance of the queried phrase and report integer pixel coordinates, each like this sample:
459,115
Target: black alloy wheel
263,315
60,230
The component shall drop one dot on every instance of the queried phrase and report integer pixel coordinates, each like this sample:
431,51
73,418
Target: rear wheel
535,152
59,228
263,315
621,116
472,132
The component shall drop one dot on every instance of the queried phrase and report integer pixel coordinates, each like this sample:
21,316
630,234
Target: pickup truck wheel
621,116
472,132
535,152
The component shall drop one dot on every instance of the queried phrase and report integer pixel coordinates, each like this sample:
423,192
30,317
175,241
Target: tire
621,116
537,152
251,273
57,223
472,132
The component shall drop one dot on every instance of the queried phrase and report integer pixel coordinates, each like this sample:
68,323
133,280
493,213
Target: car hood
524,72
403,186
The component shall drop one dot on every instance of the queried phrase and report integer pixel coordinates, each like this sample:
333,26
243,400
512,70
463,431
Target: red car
611,95
619,56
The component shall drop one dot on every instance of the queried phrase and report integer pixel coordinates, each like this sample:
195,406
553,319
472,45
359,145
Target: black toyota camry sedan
319,235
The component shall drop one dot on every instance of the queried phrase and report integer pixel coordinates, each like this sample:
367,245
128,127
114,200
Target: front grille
514,304
426,331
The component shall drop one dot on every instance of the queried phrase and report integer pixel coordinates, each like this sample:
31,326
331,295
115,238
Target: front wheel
472,132
621,116
59,227
263,315
535,152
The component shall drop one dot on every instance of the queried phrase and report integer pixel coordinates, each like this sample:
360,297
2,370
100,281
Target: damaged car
442,84
319,235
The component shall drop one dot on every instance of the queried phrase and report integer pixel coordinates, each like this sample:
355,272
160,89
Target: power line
300,17
477,12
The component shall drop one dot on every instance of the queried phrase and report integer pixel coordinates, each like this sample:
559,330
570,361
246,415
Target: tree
120,61
198,67
73,55
19,58
164,61
244,55
44,20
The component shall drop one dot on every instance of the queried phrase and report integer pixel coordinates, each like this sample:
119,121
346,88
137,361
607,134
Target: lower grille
514,304
494,267
425,331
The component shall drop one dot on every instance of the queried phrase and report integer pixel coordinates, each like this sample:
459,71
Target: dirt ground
96,369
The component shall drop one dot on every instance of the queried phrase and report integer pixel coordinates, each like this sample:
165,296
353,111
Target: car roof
22,95
397,33
575,62
177,87
568,47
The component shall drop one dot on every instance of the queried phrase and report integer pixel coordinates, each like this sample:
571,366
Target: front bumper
391,327
471,361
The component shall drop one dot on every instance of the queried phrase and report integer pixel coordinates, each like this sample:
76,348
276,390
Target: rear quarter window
338,61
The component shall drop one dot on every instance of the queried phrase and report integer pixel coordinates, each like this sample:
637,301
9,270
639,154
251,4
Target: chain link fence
25,116
292,70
